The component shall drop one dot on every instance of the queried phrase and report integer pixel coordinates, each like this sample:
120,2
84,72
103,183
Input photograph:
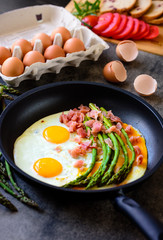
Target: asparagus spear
84,176
126,167
4,184
2,168
9,89
110,170
5,202
106,156
4,95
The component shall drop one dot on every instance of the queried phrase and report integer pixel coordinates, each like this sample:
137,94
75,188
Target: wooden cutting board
152,46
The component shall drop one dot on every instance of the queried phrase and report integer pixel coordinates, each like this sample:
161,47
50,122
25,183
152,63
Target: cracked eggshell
145,85
115,72
127,50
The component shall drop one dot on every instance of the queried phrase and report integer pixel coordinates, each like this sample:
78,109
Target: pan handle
150,226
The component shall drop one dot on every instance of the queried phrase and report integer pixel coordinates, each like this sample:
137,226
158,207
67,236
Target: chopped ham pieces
134,139
109,142
81,132
79,164
137,149
82,149
84,109
112,117
94,114
58,149
113,129
128,129
97,127
119,126
139,159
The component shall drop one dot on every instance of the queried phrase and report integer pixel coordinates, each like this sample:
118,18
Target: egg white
31,146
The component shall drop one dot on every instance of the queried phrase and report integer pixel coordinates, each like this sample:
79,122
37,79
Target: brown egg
127,50
63,31
12,67
115,72
145,85
25,45
4,54
33,57
73,45
45,39
54,51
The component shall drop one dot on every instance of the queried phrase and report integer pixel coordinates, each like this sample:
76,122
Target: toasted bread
155,11
140,8
116,5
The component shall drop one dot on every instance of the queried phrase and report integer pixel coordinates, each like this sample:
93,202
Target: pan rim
103,190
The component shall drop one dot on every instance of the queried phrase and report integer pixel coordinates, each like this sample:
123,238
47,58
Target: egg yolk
47,167
56,134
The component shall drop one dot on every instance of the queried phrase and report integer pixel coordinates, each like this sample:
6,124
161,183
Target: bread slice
116,5
140,8
157,21
155,11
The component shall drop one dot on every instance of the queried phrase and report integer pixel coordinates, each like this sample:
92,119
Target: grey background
66,218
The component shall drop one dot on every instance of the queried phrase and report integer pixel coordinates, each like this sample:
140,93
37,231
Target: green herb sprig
87,8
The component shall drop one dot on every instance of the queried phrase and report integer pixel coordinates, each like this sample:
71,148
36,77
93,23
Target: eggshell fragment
145,85
33,57
54,51
45,39
73,45
4,54
12,67
63,31
127,50
114,71
25,45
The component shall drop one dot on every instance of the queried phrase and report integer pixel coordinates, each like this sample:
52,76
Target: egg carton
27,22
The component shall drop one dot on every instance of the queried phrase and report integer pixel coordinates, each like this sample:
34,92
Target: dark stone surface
66,218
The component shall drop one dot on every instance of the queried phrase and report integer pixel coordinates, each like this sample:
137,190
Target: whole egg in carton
45,19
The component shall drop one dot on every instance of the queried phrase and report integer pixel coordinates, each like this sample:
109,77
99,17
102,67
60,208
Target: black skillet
57,97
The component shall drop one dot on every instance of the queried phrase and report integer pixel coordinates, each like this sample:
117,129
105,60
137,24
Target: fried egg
42,152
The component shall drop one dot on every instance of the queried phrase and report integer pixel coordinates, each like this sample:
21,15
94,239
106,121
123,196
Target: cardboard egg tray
27,22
